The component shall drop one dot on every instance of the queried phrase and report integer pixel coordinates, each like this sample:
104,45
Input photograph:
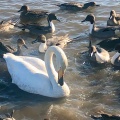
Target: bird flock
33,74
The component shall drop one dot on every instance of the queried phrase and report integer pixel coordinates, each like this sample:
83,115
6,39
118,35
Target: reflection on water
93,87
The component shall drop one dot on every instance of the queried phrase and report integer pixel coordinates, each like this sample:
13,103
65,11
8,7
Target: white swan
36,76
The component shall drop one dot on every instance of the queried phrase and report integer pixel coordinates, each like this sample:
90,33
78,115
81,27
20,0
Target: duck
115,60
76,6
37,29
60,41
40,77
97,54
8,116
28,16
114,19
7,24
97,31
109,44
105,117
8,49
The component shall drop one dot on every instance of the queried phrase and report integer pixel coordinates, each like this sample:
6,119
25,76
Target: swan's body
39,77
60,41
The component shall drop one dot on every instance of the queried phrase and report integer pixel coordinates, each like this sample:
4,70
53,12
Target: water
93,88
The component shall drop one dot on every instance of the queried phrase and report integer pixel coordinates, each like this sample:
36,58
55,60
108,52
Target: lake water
94,88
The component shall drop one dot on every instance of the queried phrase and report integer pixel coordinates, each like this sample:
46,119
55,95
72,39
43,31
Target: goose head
52,16
90,4
21,42
24,8
40,38
112,14
90,18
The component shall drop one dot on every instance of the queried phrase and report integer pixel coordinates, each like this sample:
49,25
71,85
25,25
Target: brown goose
77,6
114,19
28,16
37,29
7,49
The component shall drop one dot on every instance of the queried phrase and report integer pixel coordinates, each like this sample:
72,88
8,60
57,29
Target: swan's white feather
30,74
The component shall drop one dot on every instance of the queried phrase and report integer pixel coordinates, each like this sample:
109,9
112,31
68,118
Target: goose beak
58,20
19,10
83,20
97,5
60,77
25,46
35,41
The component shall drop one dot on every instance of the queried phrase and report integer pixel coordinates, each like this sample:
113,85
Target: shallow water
94,88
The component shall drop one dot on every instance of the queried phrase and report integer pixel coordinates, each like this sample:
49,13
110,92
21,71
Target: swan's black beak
60,77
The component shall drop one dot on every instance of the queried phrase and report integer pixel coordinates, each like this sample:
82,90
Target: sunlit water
94,88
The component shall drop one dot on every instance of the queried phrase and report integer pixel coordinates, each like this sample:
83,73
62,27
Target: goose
7,24
109,44
99,32
115,60
60,41
8,116
36,76
114,19
97,54
105,117
76,6
28,16
36,29
7,49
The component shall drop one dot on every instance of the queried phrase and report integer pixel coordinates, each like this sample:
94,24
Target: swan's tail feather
5,56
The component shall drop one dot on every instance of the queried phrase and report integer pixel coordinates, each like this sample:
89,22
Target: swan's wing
36,62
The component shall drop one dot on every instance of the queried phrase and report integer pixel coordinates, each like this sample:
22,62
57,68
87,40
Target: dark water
94,88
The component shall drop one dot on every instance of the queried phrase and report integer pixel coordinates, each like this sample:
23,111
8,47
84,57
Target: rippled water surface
94,88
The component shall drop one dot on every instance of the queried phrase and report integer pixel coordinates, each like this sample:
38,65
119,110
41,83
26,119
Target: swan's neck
114,57
91,28
51,25
60,56
43,47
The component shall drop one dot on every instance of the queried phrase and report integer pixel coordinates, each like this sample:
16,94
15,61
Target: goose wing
36,14
60,41
109,44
